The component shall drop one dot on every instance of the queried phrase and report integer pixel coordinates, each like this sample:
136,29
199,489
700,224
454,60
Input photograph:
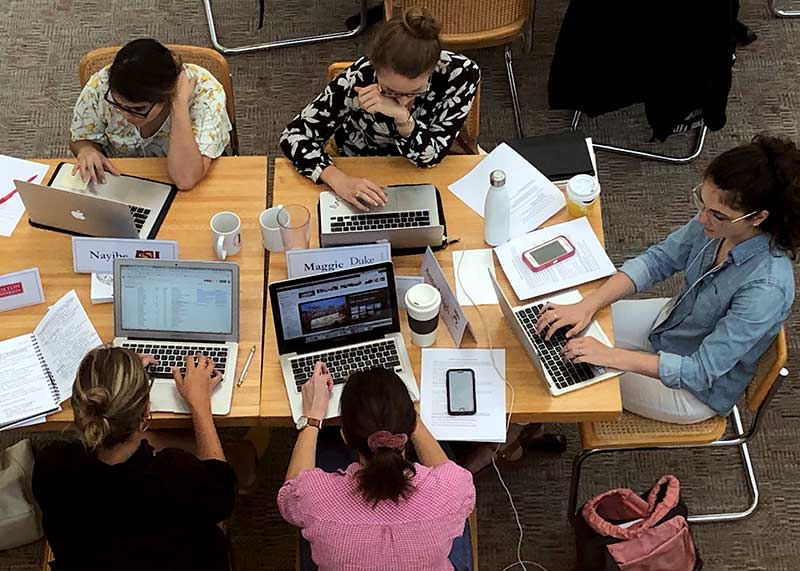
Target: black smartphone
460,392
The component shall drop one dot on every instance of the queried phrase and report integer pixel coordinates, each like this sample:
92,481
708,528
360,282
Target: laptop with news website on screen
174,309
347,319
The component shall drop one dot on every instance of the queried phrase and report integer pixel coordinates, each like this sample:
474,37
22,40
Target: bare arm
316,396
196,387
186,165
614,289
429,452
91,161
304,453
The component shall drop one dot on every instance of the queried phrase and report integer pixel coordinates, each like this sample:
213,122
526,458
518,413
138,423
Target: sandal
481,457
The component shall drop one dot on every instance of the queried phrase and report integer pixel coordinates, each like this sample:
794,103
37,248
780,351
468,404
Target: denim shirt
712,340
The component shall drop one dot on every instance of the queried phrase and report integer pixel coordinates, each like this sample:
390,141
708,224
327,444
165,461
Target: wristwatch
304,421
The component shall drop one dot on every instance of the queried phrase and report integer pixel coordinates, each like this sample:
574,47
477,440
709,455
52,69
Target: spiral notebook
37,369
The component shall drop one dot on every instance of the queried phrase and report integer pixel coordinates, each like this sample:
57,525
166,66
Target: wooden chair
475,24
213,61
467,140
633,432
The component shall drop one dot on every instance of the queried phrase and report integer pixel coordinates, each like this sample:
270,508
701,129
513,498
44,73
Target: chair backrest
468,137
207,58
767,372
470,24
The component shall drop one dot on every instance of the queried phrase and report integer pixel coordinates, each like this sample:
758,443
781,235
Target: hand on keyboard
555,317
148,360
317,392
589,350
198,383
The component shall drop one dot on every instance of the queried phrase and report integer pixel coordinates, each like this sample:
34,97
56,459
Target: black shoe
744,35
374,15
552,443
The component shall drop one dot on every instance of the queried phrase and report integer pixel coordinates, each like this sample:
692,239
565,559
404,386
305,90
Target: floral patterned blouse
96,120
438,117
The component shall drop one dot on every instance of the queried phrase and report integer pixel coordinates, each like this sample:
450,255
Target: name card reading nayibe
20,289
315,261
97,255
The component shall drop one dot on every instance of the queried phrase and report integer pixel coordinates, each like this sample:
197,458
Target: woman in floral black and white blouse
410,98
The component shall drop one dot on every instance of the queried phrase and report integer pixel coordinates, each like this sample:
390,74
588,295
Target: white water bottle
497,210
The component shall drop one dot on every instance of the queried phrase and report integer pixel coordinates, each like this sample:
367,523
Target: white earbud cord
502,375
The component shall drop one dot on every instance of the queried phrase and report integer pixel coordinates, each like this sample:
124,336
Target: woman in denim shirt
691,357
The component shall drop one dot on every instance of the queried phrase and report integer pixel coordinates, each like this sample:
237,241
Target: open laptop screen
335,309
179,301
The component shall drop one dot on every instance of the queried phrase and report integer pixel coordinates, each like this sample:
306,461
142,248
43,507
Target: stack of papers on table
488,424
11,169
534,199
590,261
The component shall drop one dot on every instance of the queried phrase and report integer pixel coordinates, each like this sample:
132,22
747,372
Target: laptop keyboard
342,362
381,221
139,215
169,356
563,373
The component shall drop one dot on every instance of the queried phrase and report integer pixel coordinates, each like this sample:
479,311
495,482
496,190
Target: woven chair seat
634,431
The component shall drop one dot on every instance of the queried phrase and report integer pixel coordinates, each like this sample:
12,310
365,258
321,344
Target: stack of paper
488,424
534,199
590,261
12,169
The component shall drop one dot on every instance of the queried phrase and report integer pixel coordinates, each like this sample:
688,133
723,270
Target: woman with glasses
148,104
116,499
409,98
691,357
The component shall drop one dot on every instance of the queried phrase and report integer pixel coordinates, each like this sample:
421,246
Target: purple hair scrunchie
385,439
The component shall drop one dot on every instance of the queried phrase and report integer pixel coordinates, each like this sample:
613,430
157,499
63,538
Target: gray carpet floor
42,42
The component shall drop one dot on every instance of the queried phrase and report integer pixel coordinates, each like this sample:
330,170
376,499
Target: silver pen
246,366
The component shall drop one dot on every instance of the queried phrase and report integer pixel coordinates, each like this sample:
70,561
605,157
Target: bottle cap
582,188
497,178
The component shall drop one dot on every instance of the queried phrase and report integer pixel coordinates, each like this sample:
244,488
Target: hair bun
421,24
784,158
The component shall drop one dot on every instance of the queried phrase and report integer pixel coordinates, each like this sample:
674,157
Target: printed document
590,261
12,168
534,199
25,384
488,424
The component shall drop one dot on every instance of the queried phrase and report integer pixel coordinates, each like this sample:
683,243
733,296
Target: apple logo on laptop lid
78,215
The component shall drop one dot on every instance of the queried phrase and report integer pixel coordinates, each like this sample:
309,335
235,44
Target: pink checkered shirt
347,533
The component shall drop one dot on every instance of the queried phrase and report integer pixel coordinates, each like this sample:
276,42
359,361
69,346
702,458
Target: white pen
246,366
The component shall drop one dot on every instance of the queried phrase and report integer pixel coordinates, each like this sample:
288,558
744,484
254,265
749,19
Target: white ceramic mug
226,236
423,302
270,229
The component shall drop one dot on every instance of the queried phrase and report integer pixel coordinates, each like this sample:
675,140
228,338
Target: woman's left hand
184,86
589,350
372,101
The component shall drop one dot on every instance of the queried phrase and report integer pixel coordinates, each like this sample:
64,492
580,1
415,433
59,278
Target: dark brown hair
408,45
377,400
144,71
763,175
109,396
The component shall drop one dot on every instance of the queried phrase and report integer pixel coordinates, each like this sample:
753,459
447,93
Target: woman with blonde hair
116,499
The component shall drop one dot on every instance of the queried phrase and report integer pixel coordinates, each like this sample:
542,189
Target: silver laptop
122,207
348,319
171,309
560,375
410,219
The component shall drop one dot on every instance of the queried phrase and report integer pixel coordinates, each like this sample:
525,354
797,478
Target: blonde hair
110,396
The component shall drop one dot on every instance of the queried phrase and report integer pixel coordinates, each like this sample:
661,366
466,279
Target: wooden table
233,183
533,402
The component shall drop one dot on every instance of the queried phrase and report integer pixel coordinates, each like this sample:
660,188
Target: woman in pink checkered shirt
381,512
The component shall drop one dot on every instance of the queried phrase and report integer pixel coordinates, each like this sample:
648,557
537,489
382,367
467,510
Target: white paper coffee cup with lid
423,302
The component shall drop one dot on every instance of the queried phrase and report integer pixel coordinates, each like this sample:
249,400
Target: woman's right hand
360,192
316,392
554,317
199,381
92,165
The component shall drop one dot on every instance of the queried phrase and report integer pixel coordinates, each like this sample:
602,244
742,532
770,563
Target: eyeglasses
718,217
395,94
143,114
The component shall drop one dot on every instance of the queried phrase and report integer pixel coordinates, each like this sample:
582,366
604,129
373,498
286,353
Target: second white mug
226,236
270,229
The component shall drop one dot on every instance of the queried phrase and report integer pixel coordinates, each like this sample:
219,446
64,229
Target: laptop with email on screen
348,319
171,309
